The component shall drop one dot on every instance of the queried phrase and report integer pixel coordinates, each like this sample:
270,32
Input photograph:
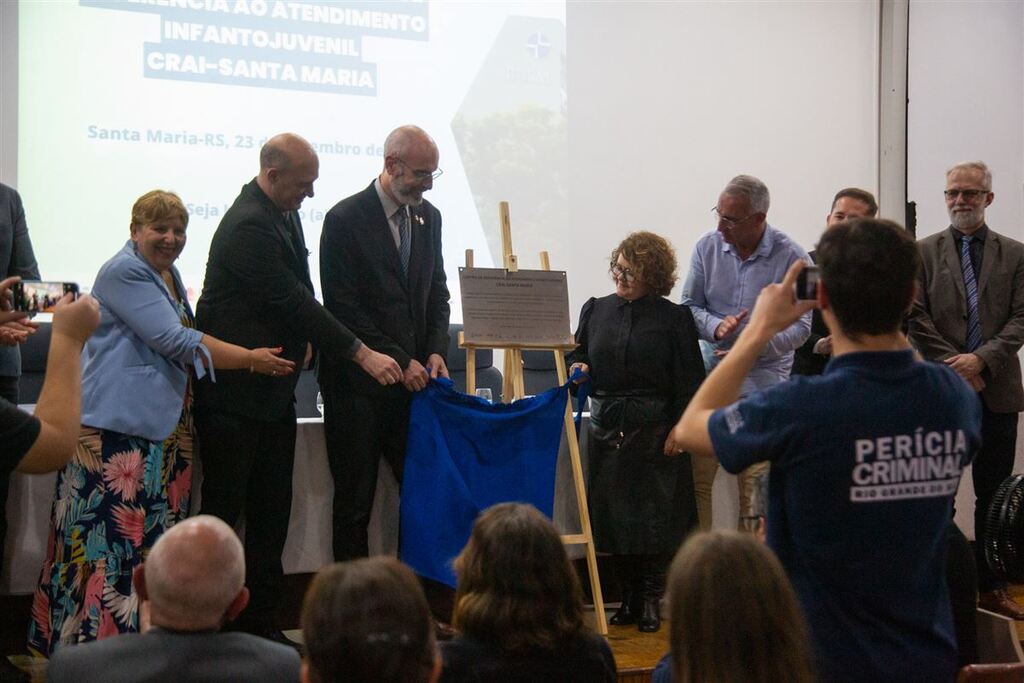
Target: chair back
992,673
486,374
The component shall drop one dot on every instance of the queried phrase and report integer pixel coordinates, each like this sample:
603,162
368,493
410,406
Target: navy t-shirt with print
18,431
865,460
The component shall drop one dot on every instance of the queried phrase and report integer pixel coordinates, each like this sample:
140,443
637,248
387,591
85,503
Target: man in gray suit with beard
193,582
969,314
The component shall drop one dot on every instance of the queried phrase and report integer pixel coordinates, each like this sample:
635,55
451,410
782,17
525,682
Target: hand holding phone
41,296
807,284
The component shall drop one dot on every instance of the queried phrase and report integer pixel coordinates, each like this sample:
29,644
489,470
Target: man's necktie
973,340
404,239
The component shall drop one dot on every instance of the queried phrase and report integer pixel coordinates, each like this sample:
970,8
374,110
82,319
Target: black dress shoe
650,618
627,612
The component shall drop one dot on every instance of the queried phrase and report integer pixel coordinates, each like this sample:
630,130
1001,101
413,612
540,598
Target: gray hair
978,166
401,140
753,189
193,574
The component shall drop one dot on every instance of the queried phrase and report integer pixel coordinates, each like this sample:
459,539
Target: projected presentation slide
116,98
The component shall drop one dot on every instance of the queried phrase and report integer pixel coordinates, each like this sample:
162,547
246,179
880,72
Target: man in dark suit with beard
383,276
258,292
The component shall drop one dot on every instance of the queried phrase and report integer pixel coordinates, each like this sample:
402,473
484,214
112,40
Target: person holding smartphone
16,259
43,441
858,507
131,474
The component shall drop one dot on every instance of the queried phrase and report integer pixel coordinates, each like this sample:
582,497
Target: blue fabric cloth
720,284
465,454
663,670
137,363
863,473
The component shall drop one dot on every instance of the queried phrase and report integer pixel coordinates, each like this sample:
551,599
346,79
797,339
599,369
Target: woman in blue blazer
131,475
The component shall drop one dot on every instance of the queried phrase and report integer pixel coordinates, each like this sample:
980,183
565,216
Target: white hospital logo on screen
538,45
902,466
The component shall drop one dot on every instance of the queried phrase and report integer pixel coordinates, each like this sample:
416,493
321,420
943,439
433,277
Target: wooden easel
513,389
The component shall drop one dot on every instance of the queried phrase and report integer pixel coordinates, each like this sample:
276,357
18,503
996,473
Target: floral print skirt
116,496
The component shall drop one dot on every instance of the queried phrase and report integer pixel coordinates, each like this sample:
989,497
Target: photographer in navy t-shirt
865,459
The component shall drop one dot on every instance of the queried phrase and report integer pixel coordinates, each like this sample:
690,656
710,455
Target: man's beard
965,220
413,198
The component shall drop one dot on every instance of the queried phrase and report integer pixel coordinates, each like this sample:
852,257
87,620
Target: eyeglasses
420,176
729,221
618,271
969,195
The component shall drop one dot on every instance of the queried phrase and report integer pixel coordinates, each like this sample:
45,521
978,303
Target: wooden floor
1017,591
635,653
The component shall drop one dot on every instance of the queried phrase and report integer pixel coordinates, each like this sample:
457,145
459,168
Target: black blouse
647,345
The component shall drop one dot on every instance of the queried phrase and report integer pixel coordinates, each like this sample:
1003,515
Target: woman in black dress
641,353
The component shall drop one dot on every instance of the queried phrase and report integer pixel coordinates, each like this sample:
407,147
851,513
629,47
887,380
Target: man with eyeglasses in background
969,314
729,268
383,276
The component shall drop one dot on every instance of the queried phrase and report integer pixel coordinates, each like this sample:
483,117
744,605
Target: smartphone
38,296
807,283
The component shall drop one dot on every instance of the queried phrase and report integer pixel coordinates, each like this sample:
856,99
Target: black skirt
641,501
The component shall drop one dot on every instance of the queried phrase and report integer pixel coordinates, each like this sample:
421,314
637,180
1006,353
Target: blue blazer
135,367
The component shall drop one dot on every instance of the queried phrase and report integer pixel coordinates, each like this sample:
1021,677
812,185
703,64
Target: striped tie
404,239
973,340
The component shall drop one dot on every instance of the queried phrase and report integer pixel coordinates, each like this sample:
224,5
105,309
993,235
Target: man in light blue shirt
729,268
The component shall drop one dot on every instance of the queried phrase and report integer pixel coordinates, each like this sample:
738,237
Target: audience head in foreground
516,587
869,269
368,620
192,582
733,614
519,606
194,577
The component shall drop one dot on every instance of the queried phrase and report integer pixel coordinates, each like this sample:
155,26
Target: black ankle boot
650,616
652,580
627,612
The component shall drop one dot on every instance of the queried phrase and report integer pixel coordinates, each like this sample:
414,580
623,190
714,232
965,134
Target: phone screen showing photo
40,297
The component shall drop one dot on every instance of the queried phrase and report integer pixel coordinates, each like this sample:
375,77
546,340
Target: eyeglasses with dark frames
732,222
969,195
618,271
